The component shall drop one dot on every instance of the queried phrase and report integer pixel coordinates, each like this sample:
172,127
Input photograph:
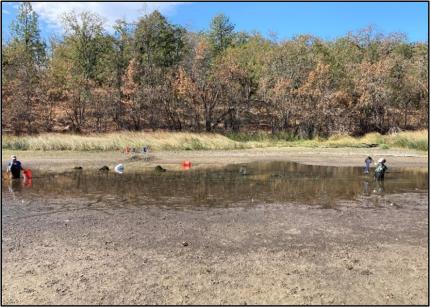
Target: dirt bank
60,161
258,254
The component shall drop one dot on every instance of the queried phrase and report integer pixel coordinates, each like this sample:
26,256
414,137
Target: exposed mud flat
293,253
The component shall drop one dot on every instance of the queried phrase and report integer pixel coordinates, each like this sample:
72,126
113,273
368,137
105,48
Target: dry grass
409,139
117,141
417,140
413,140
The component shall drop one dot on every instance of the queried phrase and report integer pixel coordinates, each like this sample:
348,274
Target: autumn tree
157,75
133,100
373,93
244,62
318,106
209,89
158,49
82,51
122,53
22,67
285,69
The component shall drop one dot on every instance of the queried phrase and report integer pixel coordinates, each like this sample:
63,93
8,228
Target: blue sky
327,20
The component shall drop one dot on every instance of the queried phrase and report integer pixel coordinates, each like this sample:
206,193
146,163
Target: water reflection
266,182
373,187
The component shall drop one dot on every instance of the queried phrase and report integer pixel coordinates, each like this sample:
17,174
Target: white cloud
6,12
51,12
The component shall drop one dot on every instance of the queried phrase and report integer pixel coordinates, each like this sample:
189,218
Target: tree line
153,74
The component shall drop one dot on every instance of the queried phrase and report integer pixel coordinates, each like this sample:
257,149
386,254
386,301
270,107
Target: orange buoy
186,165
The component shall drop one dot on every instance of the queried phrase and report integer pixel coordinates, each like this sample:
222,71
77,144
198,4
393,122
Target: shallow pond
234,185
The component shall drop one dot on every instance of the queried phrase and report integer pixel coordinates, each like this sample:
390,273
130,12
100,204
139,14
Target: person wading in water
380,169
14,167
367,163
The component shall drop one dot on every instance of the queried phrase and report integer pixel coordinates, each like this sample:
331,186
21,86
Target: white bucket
119,168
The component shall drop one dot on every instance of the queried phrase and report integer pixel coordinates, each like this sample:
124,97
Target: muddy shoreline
263,254
63,160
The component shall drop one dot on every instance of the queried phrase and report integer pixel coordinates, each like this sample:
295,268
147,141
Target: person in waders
380,169
14,167
367,163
